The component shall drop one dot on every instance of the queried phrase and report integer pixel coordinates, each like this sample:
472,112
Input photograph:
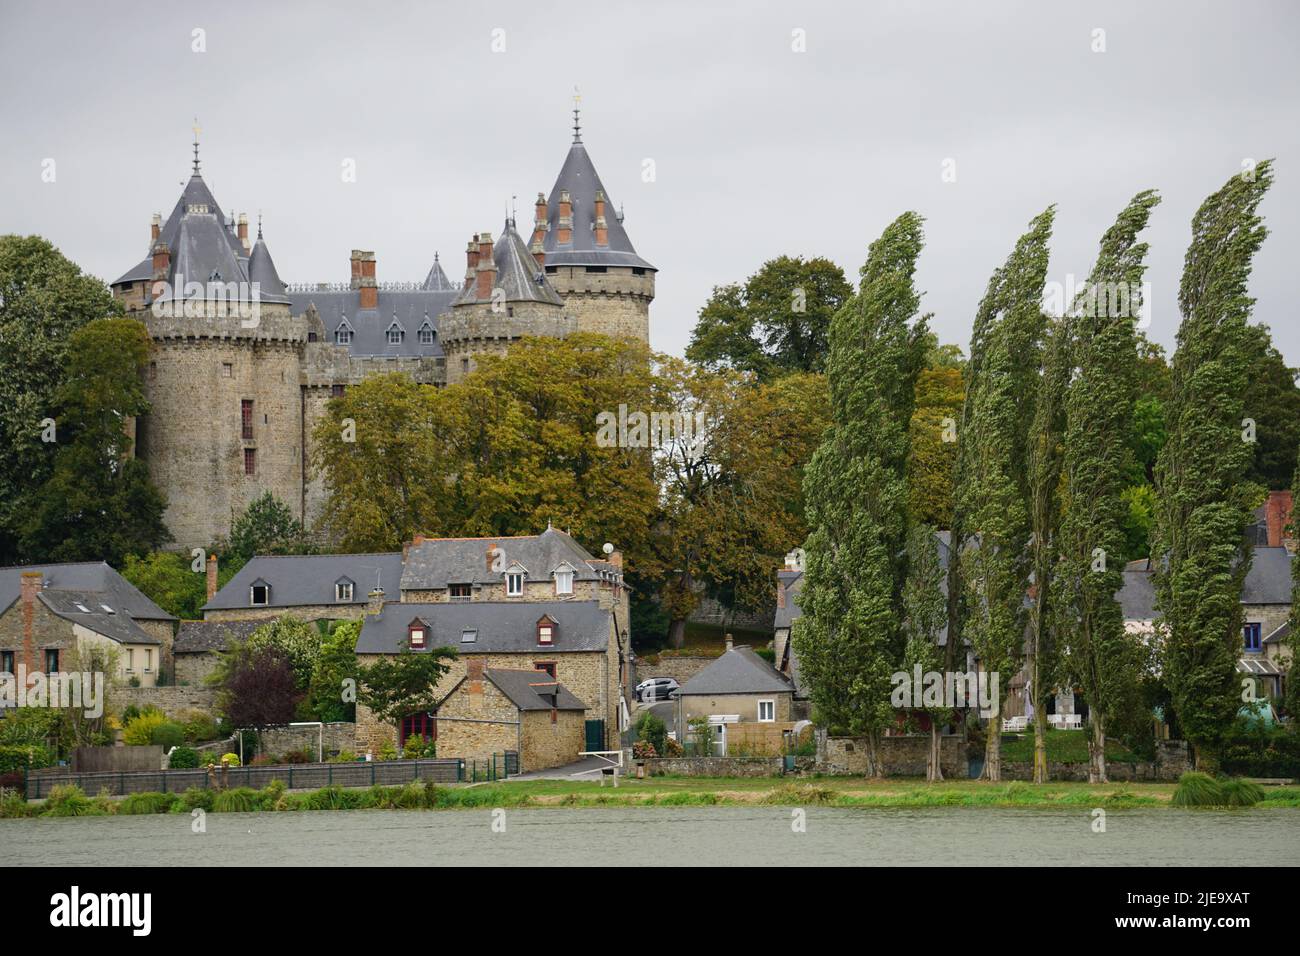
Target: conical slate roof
261,272
578,176
201,253
518,274
436,280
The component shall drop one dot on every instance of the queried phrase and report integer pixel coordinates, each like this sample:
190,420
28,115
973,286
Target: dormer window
343,334
515,584
564,580
395,334
343,590
259,593
426,333
415,634
546,631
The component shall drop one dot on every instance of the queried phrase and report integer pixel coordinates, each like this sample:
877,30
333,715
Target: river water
665,835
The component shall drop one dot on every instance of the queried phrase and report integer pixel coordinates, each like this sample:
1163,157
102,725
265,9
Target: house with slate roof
244,364
50,612
735,692
538,603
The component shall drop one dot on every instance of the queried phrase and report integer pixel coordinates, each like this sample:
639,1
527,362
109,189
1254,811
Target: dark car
656,688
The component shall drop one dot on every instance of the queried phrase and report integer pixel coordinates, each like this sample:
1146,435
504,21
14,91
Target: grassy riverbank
660,791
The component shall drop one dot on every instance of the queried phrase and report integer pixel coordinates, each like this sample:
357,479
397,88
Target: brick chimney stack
564,231
162,260
363,278
243,231
212,576
488,556
1277,515
155,227
780,593
375,602
539,231
474,674
29,585
602,227
487,267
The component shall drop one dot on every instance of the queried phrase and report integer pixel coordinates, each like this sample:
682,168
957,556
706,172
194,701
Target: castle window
227,370
311,336
246,418
250,461
1253,633
153,371
510,312
546,667
426,334
638,271
395,334
343,333
597,269
259,593
514,584
336,391
464,366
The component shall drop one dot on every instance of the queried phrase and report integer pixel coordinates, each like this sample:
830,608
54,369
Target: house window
6,662
51,660
514,584
130,660
546,631
766,711
395,334
469,635
415,636
546,667
250,461
343,591
418,725
148,660
260,594
459,592
1253,633
227,370
426,335
343,335
564,582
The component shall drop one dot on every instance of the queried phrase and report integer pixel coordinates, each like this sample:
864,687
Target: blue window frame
1254,636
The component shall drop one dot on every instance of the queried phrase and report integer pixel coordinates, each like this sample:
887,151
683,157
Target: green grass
1063,746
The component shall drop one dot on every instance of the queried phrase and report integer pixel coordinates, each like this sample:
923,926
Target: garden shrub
15,758
1198,790
197,798
67,800
652,730
184,758
139,729
142,803
297,756
1241,793
199,727
239,800
168,735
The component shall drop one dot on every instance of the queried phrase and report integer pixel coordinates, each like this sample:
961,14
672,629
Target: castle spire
577,125
197,130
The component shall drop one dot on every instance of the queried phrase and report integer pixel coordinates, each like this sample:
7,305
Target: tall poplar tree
925,612
995,488
849,639
1098,655
1204,501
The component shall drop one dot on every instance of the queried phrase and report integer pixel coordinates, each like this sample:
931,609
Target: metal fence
308,776
499,767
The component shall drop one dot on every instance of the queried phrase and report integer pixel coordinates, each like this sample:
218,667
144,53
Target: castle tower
505,296
225,423
579,239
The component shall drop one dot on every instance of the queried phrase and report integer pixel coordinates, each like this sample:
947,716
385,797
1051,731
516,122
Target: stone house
199,645
530,601
50,612
491,710
746,701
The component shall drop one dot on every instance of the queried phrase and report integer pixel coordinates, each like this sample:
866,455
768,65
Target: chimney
729,642
488,556
243,231
474,674
615,558
780,592
162,260
212,576
487,267
564,233
375,602
1277,514
155,227
363,278
602,227
539,231
30,584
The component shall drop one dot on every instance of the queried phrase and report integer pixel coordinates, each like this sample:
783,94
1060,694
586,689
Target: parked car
656,688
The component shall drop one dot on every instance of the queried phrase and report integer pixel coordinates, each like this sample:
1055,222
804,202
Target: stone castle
243,364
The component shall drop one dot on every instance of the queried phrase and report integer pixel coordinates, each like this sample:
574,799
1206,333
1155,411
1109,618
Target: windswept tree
995,487
1205,500
925,615
1098,656
849,639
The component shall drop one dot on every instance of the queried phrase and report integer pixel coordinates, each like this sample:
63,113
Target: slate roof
738,671
370,327
1281,635
792,582
504,627
1267,582
519,277
199,637
86,577
517,685
116,624
436,280
299,580
578,176
437,562
261,269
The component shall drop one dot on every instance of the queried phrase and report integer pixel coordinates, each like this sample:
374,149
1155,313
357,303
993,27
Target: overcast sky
758,150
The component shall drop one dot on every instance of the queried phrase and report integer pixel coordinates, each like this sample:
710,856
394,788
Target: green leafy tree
335,666
393,687
98,502
931,467
267,526
1099,656
849,639
44,299
1205,500
1008,341
299,640
925,614
169,580
1273,403
776,323
258,687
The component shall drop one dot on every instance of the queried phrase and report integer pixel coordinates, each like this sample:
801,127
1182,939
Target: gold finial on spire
577,105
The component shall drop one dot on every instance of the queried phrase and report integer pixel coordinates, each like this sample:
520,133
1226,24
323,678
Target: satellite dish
608,548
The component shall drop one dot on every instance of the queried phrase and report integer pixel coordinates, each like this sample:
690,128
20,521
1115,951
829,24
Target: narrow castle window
246,418
250,461
336,391
227,370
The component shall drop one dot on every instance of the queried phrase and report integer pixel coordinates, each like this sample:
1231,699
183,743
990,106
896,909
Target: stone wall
900,756
714,766
549,744
172,700
615,302
744,705
1172,761
280,740
712,611
485,722
680,669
